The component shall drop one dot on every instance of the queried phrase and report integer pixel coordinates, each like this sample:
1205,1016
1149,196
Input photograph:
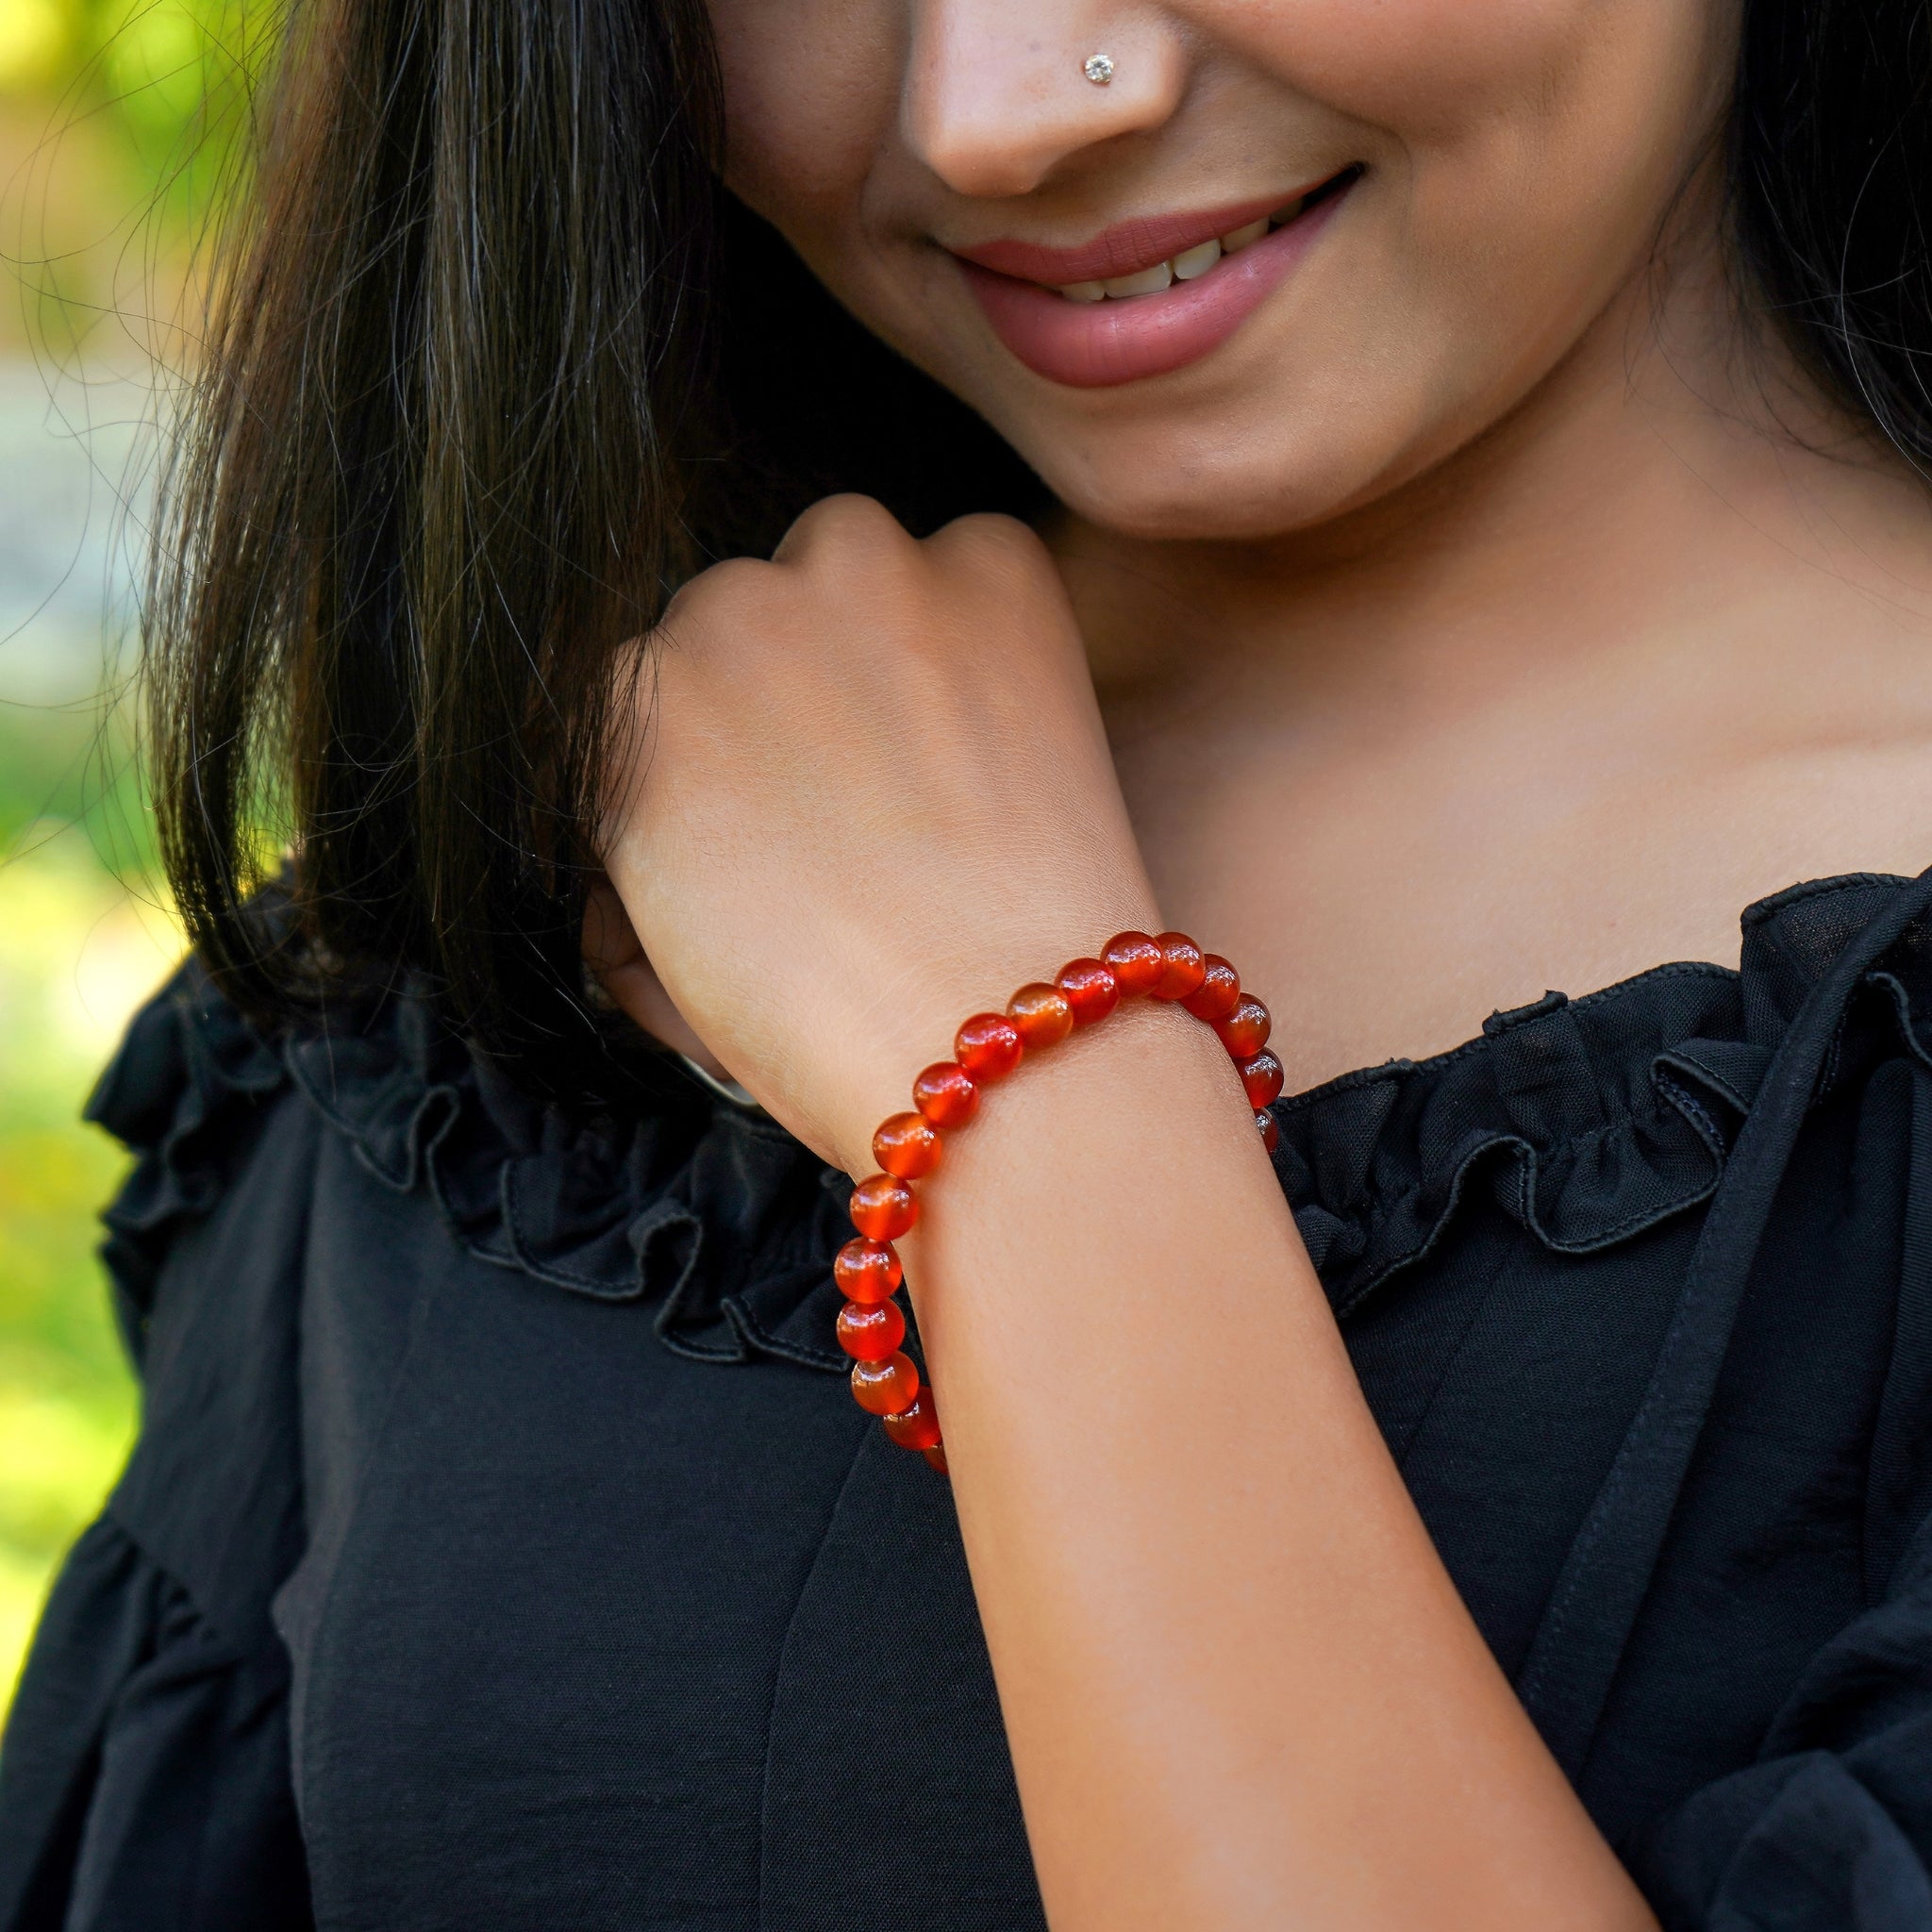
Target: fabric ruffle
1588,1121
710,1213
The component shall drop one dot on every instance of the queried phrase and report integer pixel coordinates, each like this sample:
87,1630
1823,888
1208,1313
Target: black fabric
497,1515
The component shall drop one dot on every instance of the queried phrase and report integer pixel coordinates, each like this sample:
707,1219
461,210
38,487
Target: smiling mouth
1148,296
1190,263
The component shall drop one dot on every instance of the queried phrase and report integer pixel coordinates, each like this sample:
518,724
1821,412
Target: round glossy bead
936,1456
885,1387
1187,967
1262,1077
945,1095
867,1270
1271,1130
883,1206
1219,991
1244,1032
1041,1014
869,1332
917,1427
1091,990
1136,961
907,1146
989,1047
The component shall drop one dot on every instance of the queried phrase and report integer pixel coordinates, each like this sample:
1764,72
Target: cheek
1525,117
811,89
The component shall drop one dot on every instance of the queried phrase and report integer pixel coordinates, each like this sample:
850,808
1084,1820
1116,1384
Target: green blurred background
115,125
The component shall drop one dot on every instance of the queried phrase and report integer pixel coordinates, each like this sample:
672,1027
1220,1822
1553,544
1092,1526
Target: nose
996,96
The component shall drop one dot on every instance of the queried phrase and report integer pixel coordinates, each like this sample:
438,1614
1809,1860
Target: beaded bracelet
871,1326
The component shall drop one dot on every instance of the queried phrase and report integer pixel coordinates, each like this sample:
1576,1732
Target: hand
862,790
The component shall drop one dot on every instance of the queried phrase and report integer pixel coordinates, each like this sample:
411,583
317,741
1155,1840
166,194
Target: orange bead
1091,990
917,1426
945,1095
936,1456
871,1332
867,1270
1244,1032
907,1146
1187,967
1136,961
883,1206
989,1047
885,1387
1262,1077
1219,991
1040,1014
1271,1130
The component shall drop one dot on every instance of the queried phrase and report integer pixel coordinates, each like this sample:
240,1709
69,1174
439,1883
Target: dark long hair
495,364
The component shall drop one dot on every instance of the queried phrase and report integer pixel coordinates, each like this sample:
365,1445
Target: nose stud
1098,67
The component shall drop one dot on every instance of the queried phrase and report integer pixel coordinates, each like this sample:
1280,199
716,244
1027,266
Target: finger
614,953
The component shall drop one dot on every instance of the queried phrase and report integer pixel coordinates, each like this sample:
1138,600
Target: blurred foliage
120,128
81,944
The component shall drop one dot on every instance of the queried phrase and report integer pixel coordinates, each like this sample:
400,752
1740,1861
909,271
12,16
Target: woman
1461,534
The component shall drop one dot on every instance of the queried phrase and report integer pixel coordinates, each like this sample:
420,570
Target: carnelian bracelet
871,1326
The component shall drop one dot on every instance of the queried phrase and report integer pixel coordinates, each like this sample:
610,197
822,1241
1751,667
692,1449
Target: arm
1239,1689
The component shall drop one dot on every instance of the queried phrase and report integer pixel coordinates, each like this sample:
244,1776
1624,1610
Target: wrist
916,1016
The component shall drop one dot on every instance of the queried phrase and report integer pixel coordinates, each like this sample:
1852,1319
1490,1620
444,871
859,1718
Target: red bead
1271,1130
947,1095
1262,1077
907,1146
1244,1032
1219,991
936,1456
871,1332
1187,967
867,1270
989,1047
883,1206
1136,961
917,1427
1091,990
885,1387
1040,1014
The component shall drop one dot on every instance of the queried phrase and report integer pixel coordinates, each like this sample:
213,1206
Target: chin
1206,496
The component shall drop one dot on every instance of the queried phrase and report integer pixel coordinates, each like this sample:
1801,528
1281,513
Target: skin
1499,609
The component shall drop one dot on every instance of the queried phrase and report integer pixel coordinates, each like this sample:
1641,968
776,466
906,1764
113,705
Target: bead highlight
867,1270
1261,1076
1091,990
885,1387
883,1206
1136,961
1219,991
945,1095
989,1047
1041,1015
907,1146
871,1332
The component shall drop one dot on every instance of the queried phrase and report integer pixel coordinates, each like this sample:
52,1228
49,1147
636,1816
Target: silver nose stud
1098,67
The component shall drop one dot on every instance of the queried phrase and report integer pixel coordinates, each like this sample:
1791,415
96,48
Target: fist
854,794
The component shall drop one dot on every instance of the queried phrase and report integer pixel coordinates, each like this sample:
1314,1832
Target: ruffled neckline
1588,1121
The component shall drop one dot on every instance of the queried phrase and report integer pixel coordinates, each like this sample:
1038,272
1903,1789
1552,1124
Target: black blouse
500,1551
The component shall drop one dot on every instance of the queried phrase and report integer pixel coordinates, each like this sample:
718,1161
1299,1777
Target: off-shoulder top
500,1551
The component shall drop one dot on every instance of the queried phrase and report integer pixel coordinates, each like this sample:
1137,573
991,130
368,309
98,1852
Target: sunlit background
109,153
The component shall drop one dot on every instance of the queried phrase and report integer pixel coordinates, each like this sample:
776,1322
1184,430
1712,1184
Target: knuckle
987,538
840,525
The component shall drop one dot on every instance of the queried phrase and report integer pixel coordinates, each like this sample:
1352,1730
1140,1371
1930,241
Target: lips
1144,297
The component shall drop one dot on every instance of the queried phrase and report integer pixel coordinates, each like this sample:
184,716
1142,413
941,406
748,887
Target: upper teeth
1183,267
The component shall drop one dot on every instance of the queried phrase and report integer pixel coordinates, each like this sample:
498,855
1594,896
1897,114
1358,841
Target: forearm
1240,1687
